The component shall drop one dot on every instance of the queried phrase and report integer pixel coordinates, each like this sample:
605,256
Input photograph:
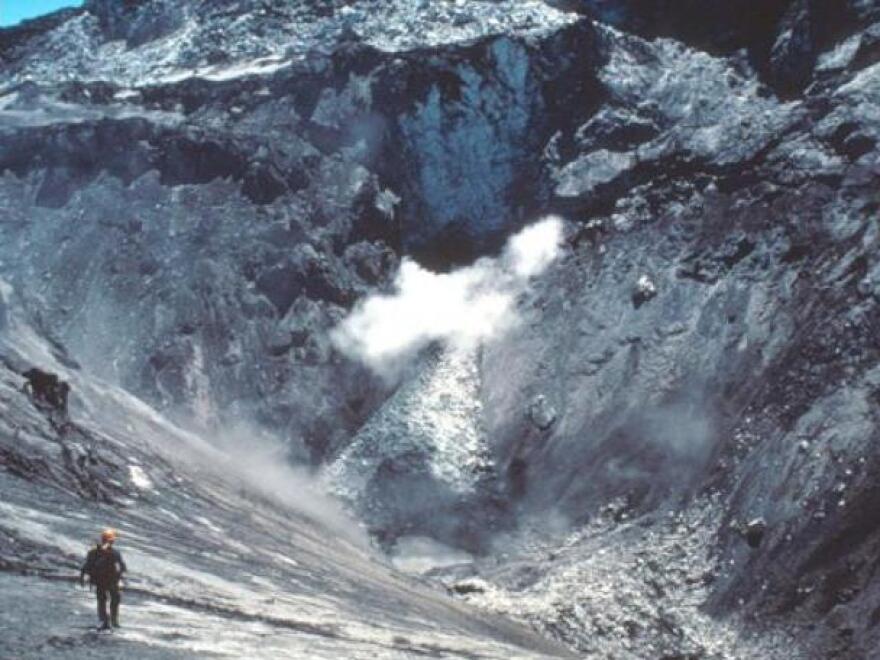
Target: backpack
102,566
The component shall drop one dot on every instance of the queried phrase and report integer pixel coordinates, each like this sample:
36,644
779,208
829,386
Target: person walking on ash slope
105,567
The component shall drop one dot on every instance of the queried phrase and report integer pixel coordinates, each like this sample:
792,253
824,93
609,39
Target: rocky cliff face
196,194
316,168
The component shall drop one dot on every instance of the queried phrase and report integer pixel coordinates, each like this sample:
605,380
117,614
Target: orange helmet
108,535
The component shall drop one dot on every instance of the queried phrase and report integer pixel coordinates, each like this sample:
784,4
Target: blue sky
15,11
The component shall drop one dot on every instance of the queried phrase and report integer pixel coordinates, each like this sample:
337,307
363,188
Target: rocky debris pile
621,589
421,465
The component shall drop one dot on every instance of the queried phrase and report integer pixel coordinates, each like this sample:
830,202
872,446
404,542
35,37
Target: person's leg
114,605
101,594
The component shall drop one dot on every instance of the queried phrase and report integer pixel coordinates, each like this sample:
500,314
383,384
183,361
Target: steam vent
460,329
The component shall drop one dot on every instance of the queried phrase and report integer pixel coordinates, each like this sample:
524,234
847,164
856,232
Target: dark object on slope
754,532
105,567
47,390
643,291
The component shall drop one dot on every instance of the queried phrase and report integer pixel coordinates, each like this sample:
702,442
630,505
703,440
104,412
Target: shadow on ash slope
232,554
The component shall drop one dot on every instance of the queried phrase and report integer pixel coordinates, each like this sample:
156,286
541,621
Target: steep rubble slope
708,343
713,334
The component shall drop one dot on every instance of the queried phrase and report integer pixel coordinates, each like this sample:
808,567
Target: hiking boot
115,622
105,625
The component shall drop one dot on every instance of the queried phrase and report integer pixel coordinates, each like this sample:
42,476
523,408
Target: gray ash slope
231,554
194,194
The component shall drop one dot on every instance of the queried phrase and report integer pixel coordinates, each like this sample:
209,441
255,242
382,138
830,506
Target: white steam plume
461,308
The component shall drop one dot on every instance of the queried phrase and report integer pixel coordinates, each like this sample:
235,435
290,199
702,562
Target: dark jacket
103,566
